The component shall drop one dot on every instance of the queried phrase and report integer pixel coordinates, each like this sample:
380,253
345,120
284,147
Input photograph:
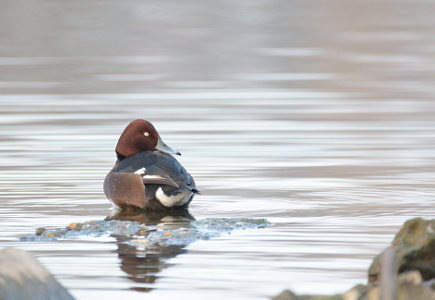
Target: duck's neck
119,156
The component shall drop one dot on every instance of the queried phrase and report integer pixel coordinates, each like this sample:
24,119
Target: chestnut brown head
139,136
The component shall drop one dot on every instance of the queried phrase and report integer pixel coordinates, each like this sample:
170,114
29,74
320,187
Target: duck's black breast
155,163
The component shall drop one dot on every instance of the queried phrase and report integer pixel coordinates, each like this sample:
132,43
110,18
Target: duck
146,175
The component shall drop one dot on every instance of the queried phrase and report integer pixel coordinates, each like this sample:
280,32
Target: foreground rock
23,277
404,271
415,250
288,295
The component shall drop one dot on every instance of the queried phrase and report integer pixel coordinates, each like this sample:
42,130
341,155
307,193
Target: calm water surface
317,116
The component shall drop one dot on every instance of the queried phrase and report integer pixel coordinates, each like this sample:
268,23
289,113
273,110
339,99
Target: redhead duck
146,175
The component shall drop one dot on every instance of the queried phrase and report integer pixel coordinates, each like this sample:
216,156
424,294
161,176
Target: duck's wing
155,179
156,167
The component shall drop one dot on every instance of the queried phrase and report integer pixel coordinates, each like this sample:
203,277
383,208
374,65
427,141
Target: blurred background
317,115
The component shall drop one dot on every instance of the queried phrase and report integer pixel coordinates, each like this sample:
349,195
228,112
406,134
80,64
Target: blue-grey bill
165,148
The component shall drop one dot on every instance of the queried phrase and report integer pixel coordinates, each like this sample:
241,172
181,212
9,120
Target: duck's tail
195,190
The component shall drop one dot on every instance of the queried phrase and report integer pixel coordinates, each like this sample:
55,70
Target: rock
410,287
355,293
39,231
171,230
22,277
411,255
430,284
74,226
415,250
289,295
286,295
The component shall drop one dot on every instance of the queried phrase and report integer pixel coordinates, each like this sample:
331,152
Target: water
318,116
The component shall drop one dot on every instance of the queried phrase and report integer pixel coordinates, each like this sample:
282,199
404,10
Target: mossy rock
414,246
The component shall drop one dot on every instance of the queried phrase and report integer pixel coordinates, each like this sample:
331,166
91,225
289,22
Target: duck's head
139,136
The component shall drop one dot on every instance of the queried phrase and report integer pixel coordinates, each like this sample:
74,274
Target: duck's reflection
142,265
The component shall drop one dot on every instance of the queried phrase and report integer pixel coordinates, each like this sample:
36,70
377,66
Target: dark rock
415,250
22,277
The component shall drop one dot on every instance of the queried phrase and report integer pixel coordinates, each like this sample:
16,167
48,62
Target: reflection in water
174,218
142,264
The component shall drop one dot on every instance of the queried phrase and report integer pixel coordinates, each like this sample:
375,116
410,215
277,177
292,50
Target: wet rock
411,256
286,295
430,284
39,231
89,229
289,295
410,287
74,226
22,277
356,293
415,250
167,233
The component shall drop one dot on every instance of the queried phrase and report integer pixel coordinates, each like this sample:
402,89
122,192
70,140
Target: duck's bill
165,148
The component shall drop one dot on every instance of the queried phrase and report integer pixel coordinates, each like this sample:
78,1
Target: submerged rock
169,233
88,229
22,277
199,230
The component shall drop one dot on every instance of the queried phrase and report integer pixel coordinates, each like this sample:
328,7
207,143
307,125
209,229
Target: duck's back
155,163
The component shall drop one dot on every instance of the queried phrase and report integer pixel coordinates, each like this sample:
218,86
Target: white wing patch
174,200
141,172
168,201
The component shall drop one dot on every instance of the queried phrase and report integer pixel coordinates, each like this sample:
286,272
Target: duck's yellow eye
146,133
